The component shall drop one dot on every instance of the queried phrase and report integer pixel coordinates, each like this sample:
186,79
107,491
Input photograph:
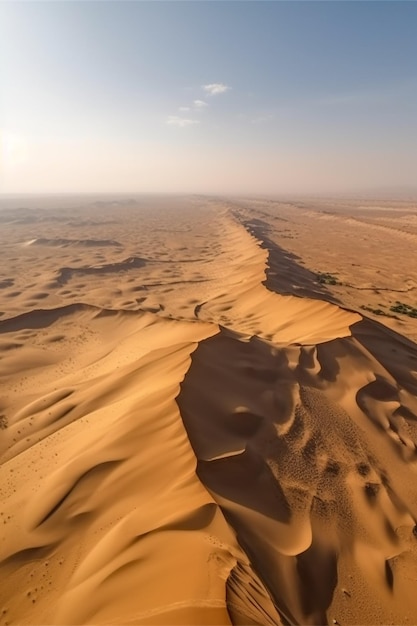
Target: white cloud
215,88
184,109
200,104
181,122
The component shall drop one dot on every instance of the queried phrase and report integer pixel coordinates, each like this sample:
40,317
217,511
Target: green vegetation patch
404,309
375,311
364,307
327,279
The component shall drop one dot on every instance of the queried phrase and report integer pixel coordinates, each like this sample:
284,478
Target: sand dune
340,251
308,452
184,439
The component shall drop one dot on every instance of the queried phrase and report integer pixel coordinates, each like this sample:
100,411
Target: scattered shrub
326,279
404,309
374,311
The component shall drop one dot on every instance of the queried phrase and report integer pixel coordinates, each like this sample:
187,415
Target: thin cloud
215,88
181,122
200,104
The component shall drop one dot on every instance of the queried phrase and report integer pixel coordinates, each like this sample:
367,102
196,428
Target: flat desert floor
208,411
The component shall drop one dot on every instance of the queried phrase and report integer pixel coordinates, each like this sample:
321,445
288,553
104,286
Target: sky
212,97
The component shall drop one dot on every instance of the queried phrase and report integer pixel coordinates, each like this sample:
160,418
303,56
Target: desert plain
208,410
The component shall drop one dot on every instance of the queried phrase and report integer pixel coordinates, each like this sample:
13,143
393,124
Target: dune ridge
250,308
209,452
345,252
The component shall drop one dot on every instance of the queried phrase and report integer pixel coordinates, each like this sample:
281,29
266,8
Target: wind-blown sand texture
196,429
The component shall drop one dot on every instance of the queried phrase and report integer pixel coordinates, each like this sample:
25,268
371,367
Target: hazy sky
211,97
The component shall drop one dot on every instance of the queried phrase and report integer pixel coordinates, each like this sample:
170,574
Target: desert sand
203,420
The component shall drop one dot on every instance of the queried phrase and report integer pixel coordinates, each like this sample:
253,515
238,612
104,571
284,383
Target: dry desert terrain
208,411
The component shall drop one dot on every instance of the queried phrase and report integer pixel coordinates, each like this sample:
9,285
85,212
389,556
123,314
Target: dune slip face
193,428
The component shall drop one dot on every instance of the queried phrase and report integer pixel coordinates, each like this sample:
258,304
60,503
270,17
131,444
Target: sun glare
13,148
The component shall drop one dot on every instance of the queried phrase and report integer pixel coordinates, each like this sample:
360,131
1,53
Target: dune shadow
247,480
66,273
40,318
235,400
285,274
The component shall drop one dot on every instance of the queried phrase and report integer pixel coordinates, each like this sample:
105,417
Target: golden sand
197,425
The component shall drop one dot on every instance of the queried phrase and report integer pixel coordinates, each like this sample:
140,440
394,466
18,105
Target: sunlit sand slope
103,517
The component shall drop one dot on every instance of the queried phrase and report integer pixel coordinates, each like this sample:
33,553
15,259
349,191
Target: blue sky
211,97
